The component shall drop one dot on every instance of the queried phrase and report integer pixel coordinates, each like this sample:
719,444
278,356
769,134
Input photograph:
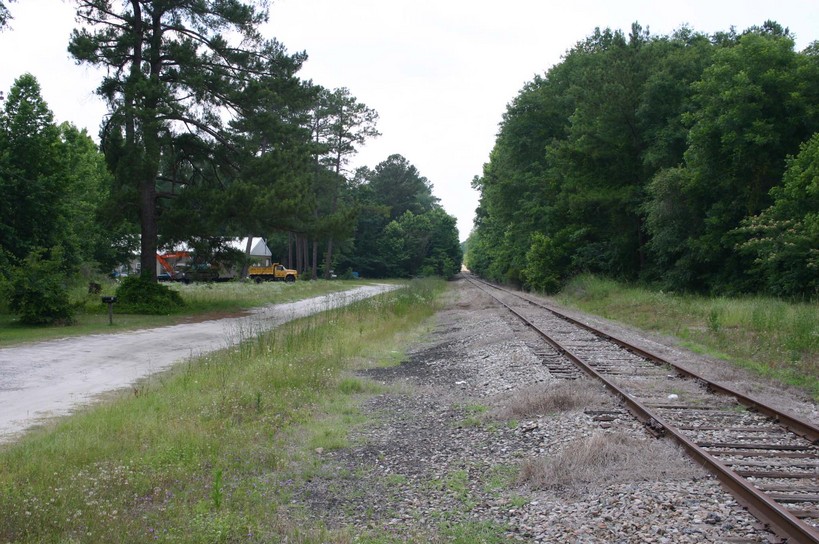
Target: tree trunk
641,246
149,229
315,260
151,129
289,249
306,251
299,257
248,248
328,259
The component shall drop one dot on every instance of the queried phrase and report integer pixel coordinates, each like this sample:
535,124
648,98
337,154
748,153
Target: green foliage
271,188
143,295
217,491
53,180
341,123
397,184
88,186
546,263
5,16
669,220
402,231
393,251
784,238
176,74
347,275
421,245
33,175
38,288
637,157
751,109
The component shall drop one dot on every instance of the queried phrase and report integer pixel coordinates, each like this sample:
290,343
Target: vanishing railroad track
767,459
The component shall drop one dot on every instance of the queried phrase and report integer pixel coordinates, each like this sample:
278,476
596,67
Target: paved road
52,378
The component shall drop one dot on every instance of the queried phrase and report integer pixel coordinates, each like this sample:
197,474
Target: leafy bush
38,290
141,295
546,264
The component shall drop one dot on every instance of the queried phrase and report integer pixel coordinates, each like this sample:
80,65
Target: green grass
197,454
201,299
772,337
500,478
473,415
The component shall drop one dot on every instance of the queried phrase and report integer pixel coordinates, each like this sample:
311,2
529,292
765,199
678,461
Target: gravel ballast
442,452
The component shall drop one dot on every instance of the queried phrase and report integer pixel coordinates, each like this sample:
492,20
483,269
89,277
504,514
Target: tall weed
768,335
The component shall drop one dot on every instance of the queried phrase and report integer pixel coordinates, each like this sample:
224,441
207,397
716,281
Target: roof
258,247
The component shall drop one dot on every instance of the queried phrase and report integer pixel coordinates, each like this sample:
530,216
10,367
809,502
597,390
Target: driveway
53,378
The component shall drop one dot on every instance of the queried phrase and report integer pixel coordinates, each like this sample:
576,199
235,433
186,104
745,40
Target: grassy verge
200,299
195,454
772,337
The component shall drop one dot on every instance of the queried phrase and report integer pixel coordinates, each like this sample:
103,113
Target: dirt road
52,378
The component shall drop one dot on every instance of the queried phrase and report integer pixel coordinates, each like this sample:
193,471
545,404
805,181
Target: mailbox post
110,302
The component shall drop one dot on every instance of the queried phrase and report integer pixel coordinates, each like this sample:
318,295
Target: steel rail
794,423
757,502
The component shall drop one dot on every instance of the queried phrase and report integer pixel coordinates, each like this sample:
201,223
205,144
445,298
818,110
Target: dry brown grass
543,399
607,458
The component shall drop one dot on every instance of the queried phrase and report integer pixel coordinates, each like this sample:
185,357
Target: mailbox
110,302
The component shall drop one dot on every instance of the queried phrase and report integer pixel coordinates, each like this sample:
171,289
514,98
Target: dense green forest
210,136
689,162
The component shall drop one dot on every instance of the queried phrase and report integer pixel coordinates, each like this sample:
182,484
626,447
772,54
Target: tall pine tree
174,72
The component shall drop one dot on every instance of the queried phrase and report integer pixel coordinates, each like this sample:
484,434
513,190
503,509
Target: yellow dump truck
274,272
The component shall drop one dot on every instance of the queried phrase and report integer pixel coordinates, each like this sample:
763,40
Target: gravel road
53,378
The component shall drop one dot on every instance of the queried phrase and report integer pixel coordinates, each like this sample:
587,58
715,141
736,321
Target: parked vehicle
181,266
171,259
274,272
197,272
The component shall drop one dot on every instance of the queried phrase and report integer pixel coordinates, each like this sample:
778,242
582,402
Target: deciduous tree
749,112
784,238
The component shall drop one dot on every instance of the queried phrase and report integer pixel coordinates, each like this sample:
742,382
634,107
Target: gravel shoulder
438,453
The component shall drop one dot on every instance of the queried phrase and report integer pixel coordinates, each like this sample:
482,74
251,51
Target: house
260,254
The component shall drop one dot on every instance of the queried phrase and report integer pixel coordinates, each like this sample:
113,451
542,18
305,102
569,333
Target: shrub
142,295
546,264
38,290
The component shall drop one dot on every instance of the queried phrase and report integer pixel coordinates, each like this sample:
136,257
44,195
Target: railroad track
767,459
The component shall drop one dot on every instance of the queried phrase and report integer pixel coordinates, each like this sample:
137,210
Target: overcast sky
439,72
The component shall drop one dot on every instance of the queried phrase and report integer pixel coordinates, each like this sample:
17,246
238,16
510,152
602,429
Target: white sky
439,72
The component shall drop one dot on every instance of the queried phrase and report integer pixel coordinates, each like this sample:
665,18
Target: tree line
210,135
687,161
